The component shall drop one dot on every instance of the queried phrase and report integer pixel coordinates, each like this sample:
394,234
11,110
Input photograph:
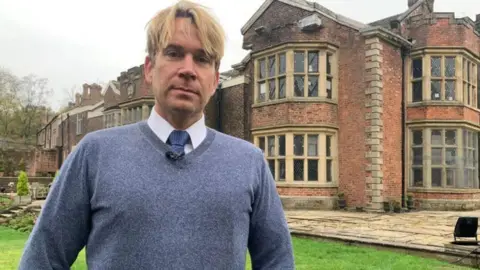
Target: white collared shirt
197,131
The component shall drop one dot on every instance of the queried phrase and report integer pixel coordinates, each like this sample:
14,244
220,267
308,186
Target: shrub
23,222
21,165
22,184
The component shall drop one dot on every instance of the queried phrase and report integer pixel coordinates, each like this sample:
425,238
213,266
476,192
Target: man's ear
147,69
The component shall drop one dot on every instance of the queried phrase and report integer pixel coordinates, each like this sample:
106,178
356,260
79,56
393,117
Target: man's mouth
188,90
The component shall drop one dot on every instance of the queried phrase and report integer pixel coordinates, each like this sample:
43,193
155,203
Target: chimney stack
96,92
477,22
86,89
78,99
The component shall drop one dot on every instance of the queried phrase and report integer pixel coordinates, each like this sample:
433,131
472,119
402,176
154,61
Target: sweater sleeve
269,244
62,229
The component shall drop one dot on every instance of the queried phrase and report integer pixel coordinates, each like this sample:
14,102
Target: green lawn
309,254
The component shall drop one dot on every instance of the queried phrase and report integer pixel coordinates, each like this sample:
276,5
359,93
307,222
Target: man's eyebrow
179,47
174,46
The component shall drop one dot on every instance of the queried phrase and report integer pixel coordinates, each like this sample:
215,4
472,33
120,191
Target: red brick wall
440,33
95,123
392,121
234,114
351,121
294,113
210,112
233,107
432,112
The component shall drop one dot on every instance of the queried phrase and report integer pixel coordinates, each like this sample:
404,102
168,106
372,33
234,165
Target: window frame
426,78
289,157
79,127
274,157
470,82
427,158
324,51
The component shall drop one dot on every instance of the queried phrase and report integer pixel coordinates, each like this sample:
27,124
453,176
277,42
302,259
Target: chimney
96,92
78,99
85,90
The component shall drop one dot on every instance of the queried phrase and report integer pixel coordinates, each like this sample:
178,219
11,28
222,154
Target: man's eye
172,53
203,59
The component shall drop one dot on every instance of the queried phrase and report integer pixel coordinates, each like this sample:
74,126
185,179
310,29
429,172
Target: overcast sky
76,42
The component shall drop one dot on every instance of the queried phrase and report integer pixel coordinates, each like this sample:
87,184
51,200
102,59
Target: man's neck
179,120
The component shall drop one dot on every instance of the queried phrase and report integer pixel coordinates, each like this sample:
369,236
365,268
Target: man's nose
187,70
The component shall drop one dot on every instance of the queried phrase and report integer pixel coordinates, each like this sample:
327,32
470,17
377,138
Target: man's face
183,77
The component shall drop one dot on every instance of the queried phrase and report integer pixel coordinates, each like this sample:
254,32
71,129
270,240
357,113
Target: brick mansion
375,110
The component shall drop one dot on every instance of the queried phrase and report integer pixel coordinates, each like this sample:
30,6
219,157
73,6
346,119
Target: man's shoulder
237,144
111,135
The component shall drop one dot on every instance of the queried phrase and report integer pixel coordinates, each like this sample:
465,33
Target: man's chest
172,193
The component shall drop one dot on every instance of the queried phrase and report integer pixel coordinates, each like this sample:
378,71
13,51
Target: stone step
6,215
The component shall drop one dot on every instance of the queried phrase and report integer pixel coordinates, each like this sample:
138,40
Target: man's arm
269,243
62,228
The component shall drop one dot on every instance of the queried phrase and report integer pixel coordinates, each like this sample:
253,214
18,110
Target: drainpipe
404,54
60,154
68,133
219,100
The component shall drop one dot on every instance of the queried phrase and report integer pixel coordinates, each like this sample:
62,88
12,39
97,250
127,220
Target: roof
114,85
309,6
385,22
239,66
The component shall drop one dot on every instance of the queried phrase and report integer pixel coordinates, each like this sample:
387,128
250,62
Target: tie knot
178,139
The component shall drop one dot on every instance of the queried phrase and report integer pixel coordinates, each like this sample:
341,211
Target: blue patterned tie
177,140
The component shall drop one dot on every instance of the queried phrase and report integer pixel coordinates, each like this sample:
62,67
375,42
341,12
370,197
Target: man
167,193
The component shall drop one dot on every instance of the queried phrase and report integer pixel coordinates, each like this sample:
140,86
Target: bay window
300,156
296,72
443,76
443,157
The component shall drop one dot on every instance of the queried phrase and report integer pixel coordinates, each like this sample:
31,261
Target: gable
309,7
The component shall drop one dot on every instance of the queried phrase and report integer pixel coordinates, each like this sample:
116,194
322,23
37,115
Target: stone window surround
426,54
289,49
144,105
111,118
79,126
426,165
289,154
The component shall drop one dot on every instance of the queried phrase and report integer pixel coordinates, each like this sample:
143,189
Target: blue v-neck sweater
131,207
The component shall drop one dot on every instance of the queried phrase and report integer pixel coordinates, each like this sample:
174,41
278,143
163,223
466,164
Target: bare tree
33,96
23,105
9,103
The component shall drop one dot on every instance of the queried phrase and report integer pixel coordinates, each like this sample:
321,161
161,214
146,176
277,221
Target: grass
309,254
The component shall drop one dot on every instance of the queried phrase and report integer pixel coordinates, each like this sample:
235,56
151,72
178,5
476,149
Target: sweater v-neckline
163,148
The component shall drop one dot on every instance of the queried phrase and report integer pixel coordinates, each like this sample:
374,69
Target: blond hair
161,27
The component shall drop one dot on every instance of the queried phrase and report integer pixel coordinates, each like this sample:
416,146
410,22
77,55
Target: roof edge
378,31
338,18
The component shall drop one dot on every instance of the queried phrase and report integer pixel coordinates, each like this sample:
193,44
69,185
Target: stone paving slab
426,230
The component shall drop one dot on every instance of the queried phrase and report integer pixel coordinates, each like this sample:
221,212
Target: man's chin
183,107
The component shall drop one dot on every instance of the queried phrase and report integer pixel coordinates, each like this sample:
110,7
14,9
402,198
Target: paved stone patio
423,230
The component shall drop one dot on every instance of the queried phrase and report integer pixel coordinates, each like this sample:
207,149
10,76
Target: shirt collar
162,128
